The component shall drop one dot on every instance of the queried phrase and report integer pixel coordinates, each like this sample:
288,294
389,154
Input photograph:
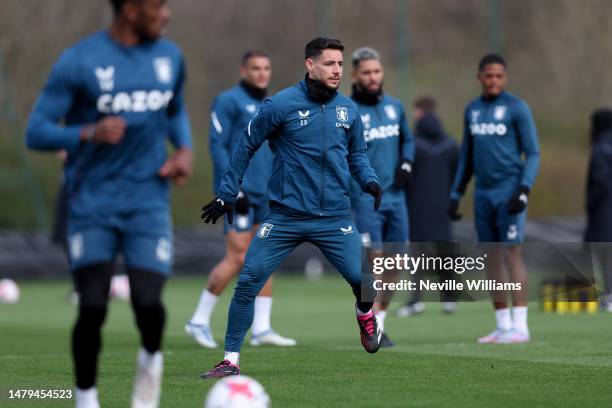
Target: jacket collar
304,87
254,92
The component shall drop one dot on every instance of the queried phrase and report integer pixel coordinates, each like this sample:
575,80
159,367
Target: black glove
215,209
373,188
242,203
519,200
403,175
453,210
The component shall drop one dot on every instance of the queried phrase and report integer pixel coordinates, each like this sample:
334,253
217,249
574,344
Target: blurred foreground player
391,152
231,112
498,131
119,94
317,137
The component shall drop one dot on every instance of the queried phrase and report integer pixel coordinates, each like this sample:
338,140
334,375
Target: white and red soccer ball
9,291
237,392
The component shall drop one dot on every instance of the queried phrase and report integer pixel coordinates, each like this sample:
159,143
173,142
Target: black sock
86,345
145,291
151,321
93,283
363,306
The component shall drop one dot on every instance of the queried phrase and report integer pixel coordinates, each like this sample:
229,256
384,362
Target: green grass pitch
436,363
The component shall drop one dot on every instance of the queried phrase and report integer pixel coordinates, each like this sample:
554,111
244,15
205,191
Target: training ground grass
436,363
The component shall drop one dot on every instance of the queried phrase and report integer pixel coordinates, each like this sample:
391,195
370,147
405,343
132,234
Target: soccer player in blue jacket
498,131
390,149
230,114
317,138
112,101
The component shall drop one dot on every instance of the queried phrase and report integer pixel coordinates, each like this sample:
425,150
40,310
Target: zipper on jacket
323,157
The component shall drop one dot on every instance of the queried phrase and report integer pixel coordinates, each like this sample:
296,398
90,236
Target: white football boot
147,385
87,398
513,337
492,337
272,338
201,334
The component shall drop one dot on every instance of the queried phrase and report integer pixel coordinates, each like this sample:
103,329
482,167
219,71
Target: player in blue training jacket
317,138
498,131
390,149
112,101
230,114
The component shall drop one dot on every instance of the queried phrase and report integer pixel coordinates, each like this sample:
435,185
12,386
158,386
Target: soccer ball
120,287
237,392
9,291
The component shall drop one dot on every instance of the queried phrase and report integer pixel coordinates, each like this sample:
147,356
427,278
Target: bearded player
390,149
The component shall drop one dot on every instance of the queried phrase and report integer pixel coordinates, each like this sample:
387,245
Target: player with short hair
390,149
112,101
498,130
317,137
230,114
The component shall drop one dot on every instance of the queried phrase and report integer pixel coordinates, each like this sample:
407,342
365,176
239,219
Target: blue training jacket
497,133
317,148
230,114
389,140
142,84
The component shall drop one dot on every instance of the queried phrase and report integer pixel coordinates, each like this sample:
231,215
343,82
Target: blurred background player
317,137
119,94
422,106
498,130
391,154
435,163
231,112
599,198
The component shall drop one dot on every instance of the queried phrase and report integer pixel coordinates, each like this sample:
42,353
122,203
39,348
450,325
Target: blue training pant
277,236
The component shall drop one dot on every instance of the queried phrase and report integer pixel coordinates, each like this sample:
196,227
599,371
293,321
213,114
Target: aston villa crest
163,69
342,113
499,112
391,112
